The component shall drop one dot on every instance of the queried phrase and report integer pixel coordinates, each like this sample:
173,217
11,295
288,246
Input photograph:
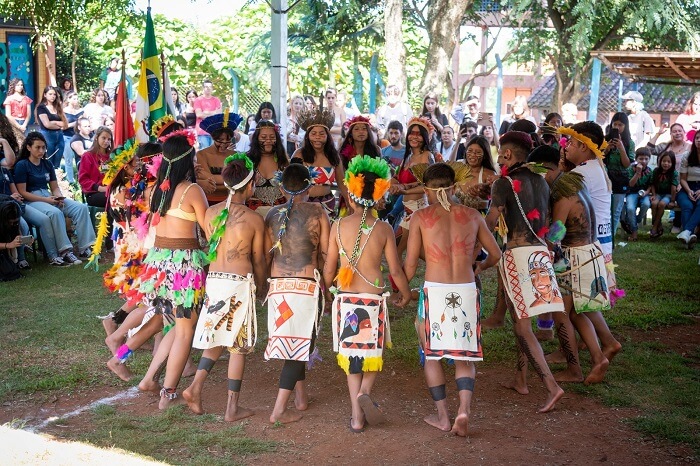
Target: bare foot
301,401
569,375
193,399
491,323
597,373
110,326
149,386
544,335
556,357
119,369
517,386
461,425
190,369
435,421
166,403
238,413
611,351
551,401
113,344
286,417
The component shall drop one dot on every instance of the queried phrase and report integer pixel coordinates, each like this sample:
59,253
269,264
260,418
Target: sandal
353,430
373,414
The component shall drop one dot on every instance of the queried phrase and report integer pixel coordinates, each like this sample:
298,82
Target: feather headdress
421,121
221,120
597,150
323,117
119,158
462,173
161,125
356,120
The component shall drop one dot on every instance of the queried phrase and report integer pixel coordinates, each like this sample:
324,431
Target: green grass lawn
52,343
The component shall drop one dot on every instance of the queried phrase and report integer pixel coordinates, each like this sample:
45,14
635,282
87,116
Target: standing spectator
690,118
394,109
617,160
294,139
18,106
640,123
36,183
489,132
569,114
467,131
447,142
349,105
664,181
188,113
93,166
266,111
204,106
110,77
394,152
52,121
81,140
98,109
65,85
638,196
310,103
689,196
340,117
519,111
179,107
431,111
472,106
548,131
250,125
73,112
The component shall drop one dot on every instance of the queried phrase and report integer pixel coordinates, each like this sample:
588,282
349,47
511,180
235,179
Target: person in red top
204,106
91,174
18,107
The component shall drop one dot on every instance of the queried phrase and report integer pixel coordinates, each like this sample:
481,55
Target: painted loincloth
585,278
530,282
609,265
360,331
408,208
228,315
328,201
292,317
448,323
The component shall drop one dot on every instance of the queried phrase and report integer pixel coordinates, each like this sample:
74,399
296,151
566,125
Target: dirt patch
504,426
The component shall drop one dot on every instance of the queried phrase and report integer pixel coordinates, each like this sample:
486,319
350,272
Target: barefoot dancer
228,317
296,236
173,281
360,319
448,311
531,287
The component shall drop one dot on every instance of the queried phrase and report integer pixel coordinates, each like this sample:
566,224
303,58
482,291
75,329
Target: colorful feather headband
308,119
219,223
221,120
356,120
420,121
119,158
161,125
597,150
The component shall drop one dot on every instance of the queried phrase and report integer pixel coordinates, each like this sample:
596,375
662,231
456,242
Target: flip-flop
373,414
353,430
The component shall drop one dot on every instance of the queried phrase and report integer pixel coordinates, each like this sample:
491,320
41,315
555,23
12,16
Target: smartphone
614,133
485,119
60,198
27,240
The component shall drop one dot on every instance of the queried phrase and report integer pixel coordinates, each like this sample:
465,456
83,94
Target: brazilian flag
150,100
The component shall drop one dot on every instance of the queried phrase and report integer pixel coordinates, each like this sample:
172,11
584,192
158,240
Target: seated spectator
678,144
92,168
81,142
664,181
36,183
638,196
8,193
689,195
10,239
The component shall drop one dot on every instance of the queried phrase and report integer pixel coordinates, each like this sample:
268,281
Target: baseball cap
632,95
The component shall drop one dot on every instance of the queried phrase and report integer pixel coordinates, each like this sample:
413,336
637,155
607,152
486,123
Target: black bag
9,270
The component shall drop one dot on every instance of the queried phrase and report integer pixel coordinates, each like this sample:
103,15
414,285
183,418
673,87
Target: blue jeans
78,213
690,210
52,227
618,201
632,202
54,146
204,141
68,158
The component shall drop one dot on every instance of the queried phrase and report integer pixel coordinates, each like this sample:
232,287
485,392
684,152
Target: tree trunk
72,64
394,50
444,18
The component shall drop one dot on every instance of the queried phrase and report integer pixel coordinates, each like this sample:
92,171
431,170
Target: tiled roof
657,98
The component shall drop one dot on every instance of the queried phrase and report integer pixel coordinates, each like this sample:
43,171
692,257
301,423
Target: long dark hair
29,141
57,104
9,210
370,147
180,170
659,172
484,145
309,154
432,96
255,152
625,136
8,133
263,106
426,144
693,159
95,148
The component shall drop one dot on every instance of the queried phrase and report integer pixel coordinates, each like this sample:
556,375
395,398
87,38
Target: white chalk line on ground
125,395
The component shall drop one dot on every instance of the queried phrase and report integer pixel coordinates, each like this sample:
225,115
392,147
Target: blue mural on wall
21,63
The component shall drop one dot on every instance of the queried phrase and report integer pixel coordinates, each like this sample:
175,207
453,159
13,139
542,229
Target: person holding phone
47,207
618,157
92,167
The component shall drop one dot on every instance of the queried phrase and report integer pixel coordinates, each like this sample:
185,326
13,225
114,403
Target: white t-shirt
594,179
243,144
641,127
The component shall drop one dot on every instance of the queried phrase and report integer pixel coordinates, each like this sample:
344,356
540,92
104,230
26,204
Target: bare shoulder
254,218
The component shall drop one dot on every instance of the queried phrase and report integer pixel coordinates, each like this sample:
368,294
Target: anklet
123,353
169,393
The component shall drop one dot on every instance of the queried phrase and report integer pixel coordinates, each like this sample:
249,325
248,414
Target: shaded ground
504,426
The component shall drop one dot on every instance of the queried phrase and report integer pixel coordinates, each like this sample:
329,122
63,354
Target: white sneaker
684,236
70,259
57,262
675,230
